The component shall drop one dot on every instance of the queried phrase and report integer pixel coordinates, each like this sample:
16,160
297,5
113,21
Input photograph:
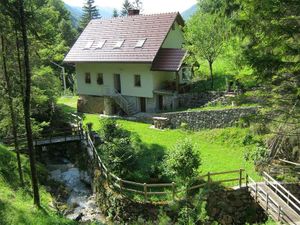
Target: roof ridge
132,17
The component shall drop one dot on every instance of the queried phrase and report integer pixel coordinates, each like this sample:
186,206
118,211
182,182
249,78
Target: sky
149,6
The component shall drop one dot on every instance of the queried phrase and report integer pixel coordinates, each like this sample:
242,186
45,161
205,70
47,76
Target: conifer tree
90,12
126,6
115,13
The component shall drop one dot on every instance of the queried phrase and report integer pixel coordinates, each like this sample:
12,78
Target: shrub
110,130
182,161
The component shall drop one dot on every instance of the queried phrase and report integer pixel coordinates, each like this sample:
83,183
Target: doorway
143,104
160,102
117,82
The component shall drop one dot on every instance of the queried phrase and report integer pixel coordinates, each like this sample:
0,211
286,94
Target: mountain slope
189,12
76,13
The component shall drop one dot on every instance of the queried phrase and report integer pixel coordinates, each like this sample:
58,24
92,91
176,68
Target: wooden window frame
88,79
137,80
100,80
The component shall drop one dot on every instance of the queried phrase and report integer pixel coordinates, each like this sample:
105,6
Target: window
100,44
119,44
88,44
140,43
87,78
100,78
137,80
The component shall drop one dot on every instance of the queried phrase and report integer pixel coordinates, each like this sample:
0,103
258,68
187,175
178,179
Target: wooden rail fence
159,189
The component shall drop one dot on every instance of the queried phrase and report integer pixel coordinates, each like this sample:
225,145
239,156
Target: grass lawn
220,149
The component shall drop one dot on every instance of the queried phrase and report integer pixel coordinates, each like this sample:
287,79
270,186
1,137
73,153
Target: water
80,200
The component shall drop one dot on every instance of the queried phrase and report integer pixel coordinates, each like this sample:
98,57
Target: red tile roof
153,27
168,59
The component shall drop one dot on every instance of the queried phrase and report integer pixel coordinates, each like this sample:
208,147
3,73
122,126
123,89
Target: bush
110,130
182,161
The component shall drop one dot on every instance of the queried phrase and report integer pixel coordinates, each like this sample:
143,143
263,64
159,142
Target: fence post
267,202
173,191
208,177
145,191
240,178
247,180
256,192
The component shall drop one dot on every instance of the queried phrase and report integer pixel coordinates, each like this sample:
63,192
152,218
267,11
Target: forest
251,47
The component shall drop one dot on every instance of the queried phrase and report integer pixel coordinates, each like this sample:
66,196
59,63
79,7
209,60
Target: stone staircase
127,107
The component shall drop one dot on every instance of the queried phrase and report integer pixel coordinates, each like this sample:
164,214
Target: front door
117,82
143,104
160,102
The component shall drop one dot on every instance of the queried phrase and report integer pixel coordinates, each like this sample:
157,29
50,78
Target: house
130,64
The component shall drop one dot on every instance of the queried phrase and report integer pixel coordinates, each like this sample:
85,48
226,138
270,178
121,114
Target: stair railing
121,101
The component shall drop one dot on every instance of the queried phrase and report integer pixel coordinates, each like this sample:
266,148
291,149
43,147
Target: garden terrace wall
210,119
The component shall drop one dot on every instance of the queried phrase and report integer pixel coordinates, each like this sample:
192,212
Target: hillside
189,12
76,13
16,205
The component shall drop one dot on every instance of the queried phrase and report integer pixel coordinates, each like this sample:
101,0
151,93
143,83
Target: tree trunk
27,99
12,112
211,74
21,77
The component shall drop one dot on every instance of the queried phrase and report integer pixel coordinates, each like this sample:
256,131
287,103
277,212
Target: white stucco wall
160,76
126,71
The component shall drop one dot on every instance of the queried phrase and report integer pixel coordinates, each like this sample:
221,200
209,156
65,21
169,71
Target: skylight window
88,44
100,44
119,44
140,43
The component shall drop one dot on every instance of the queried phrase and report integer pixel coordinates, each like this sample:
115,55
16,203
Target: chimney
133,12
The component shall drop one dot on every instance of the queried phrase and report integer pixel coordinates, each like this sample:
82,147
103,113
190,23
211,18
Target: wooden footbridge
56,136
275,199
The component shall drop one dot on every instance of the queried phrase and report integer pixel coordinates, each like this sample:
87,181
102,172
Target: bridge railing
49,135
160,189
262,197
287,196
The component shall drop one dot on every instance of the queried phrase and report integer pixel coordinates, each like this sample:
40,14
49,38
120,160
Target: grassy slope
220,149
16,205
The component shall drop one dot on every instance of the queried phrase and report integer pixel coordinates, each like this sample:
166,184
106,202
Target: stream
80,201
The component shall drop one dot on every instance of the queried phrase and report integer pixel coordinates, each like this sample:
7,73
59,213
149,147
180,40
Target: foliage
206,35
182,162
115,13
125,7
90,12
118,149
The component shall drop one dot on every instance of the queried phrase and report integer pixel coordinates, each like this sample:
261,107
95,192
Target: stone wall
209,119
90,104
234,207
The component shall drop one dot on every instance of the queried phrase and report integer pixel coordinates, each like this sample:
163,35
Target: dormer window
88,45
119,44
100,44
140,43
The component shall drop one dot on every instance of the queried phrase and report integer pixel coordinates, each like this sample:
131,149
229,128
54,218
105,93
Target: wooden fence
160,189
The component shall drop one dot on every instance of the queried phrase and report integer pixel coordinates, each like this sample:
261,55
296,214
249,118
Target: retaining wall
209,119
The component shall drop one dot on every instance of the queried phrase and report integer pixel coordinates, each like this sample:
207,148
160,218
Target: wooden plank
226,172
160,185
133,183
133,190
157,193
